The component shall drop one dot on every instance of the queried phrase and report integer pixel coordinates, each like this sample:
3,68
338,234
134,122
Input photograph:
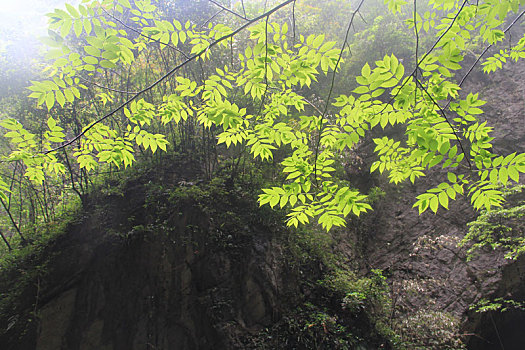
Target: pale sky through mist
23,21
24,15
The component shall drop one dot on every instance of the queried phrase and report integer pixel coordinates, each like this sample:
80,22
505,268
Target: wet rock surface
427,270
116,285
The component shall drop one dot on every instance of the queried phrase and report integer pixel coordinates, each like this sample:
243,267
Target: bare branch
483,53
243,9
441,110
211,18
332,84
230,11
417,47
105,87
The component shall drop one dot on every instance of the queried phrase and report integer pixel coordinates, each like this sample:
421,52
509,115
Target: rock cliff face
166,263
153,292
145,271
428,272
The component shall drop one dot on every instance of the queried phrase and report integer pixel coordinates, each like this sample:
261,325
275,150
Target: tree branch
144,35
105,87
332,85
211,18
483,53
446,118
228,10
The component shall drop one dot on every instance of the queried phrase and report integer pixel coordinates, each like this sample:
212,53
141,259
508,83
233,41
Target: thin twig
293,21
332,86
417,48
422,60
211,18
313,106
5,241
265,67
443,34
425,56
446,118
144,35
228,10
105,87
483,53
497,332
243,9
13,221
362,18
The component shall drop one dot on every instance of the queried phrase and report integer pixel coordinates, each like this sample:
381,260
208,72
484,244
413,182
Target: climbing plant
243,85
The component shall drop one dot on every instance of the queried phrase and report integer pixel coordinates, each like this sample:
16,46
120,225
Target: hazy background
22,22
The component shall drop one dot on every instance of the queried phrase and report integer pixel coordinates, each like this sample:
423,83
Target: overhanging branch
168,74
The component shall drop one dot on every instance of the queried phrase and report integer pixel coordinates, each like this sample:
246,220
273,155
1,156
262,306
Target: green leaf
443,199
513,173
66,28
494,176
451,193
107,64
69,95
87,26
318,41
361,90
182,37
273,201
109,55
365,71
51,123
60,98
444,148
72,11
91,50
174,38
90,60
50,100
283,201
78,28
327,46
125,3
503,176
434,203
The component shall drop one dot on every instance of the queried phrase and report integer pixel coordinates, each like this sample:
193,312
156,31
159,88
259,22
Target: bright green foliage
496,62
501,228
256,102
498,304
4,190
27,149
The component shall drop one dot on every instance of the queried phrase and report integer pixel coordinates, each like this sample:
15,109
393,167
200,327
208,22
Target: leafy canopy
254,99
